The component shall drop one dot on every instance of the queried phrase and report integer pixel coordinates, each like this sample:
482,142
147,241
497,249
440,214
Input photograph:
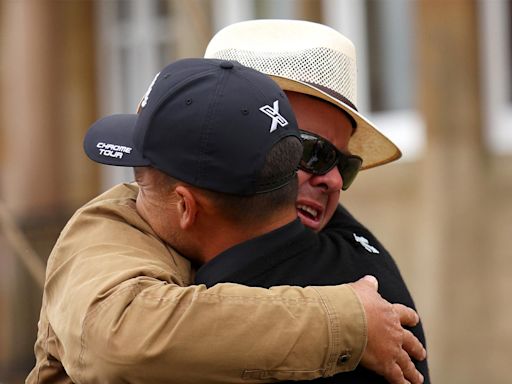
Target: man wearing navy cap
215,147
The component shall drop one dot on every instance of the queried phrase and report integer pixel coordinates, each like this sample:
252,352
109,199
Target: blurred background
433,74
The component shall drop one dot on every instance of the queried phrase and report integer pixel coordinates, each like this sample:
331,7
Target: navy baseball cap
207,122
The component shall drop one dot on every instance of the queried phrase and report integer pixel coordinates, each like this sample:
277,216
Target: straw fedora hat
308,58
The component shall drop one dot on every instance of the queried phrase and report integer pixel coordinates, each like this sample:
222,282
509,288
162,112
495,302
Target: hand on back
390,347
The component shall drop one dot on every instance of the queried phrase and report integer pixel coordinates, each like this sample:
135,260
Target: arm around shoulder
120,312
149,333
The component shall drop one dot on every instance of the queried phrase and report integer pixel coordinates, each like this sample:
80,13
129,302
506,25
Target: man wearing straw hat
215,146
316,67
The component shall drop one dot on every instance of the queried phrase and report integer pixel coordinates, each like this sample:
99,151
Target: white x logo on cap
274,114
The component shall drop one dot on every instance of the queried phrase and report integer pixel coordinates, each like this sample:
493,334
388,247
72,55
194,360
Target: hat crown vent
321,66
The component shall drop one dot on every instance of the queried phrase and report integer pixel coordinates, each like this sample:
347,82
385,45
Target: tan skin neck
188,221
213,234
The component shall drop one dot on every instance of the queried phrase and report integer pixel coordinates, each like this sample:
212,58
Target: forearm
228,333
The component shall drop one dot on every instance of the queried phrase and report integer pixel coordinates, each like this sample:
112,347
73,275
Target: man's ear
187,206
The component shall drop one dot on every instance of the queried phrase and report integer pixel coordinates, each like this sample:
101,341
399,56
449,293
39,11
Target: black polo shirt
294,255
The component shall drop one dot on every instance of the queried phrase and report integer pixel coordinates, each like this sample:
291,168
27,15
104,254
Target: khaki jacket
118,307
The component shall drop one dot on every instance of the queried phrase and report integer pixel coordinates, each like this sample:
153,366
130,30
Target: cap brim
367,142
110,141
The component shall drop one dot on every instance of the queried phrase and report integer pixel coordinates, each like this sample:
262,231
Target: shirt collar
229,261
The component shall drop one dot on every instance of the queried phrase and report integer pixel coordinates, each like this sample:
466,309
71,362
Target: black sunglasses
320,156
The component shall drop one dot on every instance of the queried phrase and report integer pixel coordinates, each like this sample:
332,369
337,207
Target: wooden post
47,102
451,247
309,10
77,101
29,170
191,16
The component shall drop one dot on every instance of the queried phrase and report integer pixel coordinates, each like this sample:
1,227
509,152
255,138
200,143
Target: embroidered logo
365,243
113,150
145,98
273,112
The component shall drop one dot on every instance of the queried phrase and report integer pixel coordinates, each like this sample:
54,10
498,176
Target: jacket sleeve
121,316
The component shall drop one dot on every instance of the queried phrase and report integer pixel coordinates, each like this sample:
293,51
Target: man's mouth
308,211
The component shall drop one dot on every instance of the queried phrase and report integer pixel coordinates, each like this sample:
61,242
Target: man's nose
330,182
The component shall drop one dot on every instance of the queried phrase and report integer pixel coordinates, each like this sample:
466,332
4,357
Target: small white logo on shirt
365,243
145,98
113,150
274,114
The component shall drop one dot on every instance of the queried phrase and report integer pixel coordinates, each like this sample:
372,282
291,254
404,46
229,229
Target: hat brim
110,141
367,142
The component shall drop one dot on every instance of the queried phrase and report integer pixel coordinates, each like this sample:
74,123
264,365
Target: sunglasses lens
319,156
349,167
